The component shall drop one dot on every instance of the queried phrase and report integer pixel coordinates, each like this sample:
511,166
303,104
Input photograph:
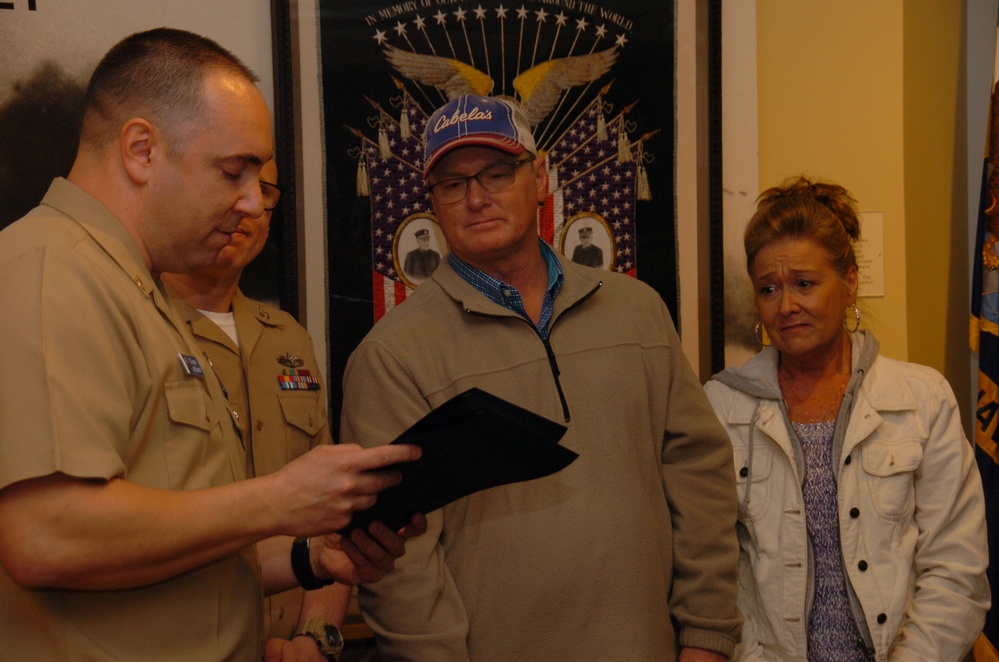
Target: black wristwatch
301,565
326,635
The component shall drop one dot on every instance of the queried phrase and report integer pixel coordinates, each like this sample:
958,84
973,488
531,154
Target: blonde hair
800,208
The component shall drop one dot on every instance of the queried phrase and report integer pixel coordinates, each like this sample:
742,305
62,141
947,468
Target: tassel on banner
363,187
623,147
404,131
644,192
383,146
601,122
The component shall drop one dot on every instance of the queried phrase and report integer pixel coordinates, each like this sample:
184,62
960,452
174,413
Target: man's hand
297,649
364,557
317,492
701,655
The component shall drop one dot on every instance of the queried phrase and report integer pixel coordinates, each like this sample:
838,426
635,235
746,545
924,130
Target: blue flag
984,338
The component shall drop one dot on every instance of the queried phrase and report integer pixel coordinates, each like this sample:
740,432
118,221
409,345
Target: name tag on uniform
191,365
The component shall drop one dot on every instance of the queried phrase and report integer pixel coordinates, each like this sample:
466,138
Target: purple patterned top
832,633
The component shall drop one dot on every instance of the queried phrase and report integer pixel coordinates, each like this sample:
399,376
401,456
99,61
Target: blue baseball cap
476,120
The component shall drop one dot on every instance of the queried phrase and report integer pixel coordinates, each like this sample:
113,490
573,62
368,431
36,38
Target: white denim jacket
911,511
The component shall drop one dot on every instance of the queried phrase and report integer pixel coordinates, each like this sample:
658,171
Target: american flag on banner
390,171
596,170
985,340
595,173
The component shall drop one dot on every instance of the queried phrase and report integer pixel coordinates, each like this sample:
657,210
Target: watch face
329,641
332,634
326,635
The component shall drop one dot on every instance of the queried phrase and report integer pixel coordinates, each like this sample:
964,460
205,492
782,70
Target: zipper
555,373
549,352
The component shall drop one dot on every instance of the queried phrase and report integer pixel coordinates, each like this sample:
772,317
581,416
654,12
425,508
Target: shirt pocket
303,420
188,404
889,466
185,444
752,479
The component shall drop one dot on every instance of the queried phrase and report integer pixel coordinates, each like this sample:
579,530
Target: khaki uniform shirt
281,415
95,387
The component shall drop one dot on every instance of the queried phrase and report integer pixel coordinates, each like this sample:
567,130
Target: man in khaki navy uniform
266,361
128,532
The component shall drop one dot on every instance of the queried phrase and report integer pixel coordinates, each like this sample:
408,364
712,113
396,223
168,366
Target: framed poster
606,130
51,48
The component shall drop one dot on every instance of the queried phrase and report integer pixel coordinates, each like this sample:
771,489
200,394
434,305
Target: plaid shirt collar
507,295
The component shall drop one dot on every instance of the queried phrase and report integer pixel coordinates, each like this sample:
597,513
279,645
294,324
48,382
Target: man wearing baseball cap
628,553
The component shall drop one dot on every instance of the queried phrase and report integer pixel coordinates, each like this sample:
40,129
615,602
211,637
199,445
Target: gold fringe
984,650
989,258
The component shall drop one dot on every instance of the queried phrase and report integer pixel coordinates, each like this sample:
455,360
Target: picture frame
274,275
361,95
589,229
407,245
53,48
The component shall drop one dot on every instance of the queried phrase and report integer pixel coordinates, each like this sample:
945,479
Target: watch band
301,565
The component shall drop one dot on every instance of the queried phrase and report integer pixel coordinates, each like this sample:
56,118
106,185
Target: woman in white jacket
861,515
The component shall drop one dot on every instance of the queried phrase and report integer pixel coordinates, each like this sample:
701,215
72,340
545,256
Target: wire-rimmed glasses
494,178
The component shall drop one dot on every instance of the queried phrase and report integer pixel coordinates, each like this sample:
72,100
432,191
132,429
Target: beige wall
867,94
936,208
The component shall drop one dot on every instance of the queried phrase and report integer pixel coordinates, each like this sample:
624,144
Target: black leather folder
472,442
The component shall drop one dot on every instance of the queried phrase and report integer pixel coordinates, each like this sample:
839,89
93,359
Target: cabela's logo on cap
477,120
459,117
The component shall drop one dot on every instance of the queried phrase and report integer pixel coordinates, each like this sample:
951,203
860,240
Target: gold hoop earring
856,317
760,334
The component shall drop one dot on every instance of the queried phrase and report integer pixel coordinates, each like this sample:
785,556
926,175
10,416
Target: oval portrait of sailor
588,240
418,247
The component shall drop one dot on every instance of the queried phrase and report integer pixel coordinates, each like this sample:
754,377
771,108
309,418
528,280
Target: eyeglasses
494,179
271,194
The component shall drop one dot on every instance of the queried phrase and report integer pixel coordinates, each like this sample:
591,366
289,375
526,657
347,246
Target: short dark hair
800,208
158,75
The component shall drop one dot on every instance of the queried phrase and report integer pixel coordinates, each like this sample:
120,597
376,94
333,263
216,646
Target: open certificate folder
473,441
